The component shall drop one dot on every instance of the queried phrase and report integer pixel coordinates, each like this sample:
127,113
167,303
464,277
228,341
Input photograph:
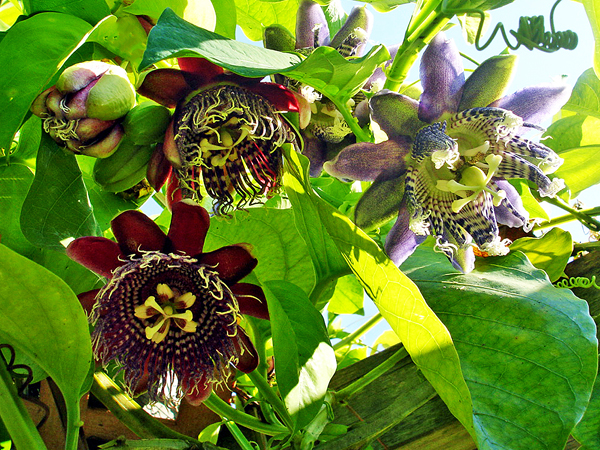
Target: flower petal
98,254
365,161
282,98
379,204
536,103
159,169
136,232
311,22
199,392
248,360
88,299
168,86
316,151
350,40
488,82
201,67
396,114
232,263
189,225
442,78
511,211
251,300
401,242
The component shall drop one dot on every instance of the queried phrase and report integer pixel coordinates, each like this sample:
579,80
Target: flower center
165,310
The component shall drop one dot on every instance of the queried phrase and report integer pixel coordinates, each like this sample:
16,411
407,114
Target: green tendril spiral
577,282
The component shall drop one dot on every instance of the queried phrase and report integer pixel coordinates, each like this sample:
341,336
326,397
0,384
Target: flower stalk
269,394
359,332
582,216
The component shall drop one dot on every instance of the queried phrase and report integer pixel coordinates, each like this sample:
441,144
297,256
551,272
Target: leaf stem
238,435
582,216
372,375
130,413
220,407
568,218
361,135
15,416
269,394
359,332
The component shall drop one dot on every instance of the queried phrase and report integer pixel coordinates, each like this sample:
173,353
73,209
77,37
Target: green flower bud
146,123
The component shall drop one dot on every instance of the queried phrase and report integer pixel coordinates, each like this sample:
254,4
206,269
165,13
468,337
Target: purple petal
536,103
401,242
511,211
350,40
310,19
442,78
365,161
396,114
488,82
379,74
316,151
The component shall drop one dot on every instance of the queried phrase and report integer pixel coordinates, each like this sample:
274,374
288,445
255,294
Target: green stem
359,332
584,218
130,413
372,375
238,435
568,218
409,51
218,406
15,416
585,246
269,394
159,198
361,135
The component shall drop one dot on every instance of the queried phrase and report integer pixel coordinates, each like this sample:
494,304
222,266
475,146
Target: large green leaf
528,350
255,15
89,10
30,53
577,140
424,336
14,184
551,252
586,431
592,9
57,206
280,250
174,37
304,358
124,36
42,318
585,98
325,69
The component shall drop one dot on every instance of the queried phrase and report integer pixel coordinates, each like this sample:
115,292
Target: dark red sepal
251,300
98,254
167,86
282,98
232,263
195,395
200,66
173,194
189,225
136,232
159,169
88,300
248,360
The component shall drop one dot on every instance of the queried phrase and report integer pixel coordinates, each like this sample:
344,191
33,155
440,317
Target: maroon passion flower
226,135
170,313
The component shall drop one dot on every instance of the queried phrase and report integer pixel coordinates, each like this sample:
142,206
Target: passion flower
170,313
444,167
82,110
226,135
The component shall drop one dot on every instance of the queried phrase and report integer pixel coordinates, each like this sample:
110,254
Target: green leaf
335,76
174,37
91,11
384,6
530,204
15,181
226,17
348,297
30,136
280,250
28,60
304,358
577,140
586,431
424,336
57,206
550,253
585,98
592,9
106,205
124,36
42,318
255,15
528,350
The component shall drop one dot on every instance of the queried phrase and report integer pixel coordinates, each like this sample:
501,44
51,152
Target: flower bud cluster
82,111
